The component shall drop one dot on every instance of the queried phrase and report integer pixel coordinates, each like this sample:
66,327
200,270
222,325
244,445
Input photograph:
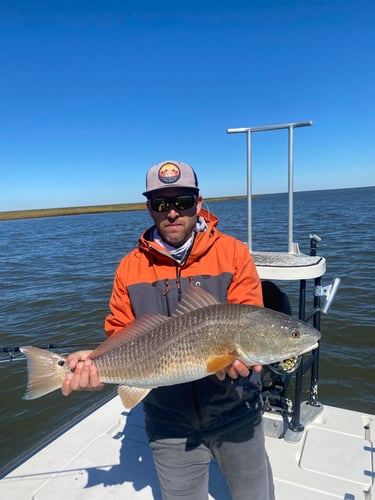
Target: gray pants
183,470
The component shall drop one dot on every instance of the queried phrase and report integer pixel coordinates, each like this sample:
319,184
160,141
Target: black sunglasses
181,202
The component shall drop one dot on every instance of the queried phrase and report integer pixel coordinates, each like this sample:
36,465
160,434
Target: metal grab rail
249,131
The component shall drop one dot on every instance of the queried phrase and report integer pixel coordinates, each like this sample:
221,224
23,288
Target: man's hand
83,376
236,369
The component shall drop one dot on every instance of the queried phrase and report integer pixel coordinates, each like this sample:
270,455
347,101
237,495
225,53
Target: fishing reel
287,366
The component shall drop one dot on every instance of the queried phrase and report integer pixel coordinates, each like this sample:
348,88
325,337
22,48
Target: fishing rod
14,351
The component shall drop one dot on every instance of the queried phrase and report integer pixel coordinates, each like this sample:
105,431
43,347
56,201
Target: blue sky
94,92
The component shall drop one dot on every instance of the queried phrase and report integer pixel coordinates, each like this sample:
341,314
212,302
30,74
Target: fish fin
131,396
220,362
138,327
195,297
46,371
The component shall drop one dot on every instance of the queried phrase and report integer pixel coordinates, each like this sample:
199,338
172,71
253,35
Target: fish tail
46,371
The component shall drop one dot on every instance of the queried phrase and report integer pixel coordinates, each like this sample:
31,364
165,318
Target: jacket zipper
178,282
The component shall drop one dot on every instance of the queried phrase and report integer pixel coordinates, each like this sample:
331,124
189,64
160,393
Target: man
219,416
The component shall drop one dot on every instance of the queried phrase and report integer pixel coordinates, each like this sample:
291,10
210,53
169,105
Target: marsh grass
96,209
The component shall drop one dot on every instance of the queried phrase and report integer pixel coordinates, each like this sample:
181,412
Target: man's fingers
83,377
75,357
65,386
84,372
232,372
239,368
236,369
94,378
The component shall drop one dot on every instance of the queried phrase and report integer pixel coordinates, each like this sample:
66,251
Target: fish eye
61,362
295,334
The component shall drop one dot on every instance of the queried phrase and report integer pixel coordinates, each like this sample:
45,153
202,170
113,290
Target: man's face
175,225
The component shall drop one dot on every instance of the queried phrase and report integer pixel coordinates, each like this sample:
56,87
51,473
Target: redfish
202,337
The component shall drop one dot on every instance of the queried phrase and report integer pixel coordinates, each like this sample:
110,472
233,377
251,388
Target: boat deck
107,455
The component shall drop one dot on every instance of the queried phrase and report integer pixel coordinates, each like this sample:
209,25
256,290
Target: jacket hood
209,217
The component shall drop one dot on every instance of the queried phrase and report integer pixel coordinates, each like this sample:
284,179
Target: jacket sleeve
245,287
121,310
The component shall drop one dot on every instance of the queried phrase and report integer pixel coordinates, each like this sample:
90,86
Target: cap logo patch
169,173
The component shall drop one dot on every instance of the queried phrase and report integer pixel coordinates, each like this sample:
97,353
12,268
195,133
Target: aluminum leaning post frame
248,131
295,424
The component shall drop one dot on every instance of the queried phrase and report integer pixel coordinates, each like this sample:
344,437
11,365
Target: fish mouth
309,349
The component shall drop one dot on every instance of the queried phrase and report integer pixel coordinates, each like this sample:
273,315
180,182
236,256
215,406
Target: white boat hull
106,455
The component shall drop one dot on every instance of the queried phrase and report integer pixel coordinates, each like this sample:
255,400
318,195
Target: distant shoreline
95,209
120,207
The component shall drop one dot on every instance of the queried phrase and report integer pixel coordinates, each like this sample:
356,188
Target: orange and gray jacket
149,280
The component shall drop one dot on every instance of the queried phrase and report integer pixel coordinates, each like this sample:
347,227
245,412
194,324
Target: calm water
56,277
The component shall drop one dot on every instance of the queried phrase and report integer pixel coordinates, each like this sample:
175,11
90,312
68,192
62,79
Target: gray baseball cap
169,174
